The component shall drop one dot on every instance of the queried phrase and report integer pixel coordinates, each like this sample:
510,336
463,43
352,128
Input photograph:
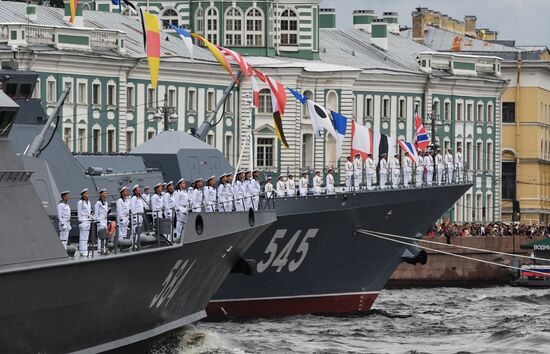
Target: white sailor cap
198,179
240,171
269,178
160,184
170,183
135,187
65,192
249,171
211,177
102,190
84,191
222,175
147,187
256,170
123,189
229,174
180,180
317,171
281,176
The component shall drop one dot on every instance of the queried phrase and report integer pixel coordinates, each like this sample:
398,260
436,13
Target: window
95,140
169,16
369,107
509,180
447,112
469,112
151,98
191,100
81,143
96,94
111,95
469,155
50,91
508,112
210,101
469,207
264,152
386,108
229,104
82,94
69,99
130,97
129,140
265,102
489,208
459,111
150,134
490,113
289,27
401,108
307,150
199,20
68,137
489,157
305,111
417,107
479,207
171,98
233,27
228,149
254,27
435,108
36,92
210,140
212,25
479,156
110,141
480,115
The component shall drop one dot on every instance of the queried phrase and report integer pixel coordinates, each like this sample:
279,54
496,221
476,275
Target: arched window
309,95
254,27
289,27
332,101
265,102
169,16
211,32
199,20
233,27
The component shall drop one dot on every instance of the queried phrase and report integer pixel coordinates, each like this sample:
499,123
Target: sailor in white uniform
303,184
222,193
370,169
268,188
247,190
407,169
290,186
137,209
84,210
239,192
349,173
64,218
255,188
383,171
197,198
395,171
330,182
428,167
182,205
157,204
281,187
419,169
317,183
459,162
101,209
169,202
357,172
449,164
439,167
211,195
123,213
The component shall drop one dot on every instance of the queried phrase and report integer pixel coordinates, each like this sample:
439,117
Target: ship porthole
251,217
199,225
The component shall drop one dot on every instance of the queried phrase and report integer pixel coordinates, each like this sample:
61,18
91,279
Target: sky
526,21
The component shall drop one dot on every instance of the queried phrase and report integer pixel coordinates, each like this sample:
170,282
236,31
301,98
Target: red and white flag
361,140
239,59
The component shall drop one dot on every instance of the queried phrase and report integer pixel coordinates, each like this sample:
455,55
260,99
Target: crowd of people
490,229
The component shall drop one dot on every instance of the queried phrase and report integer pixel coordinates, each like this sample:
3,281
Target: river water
441,320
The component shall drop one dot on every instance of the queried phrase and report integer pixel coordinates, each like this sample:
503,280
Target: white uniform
169,203
137,209
182,203
157,205
101,212
290,187
383,173
84,209
407,171
429,169
211,198
303,186
281,188
146,201
197,199
395,172
439,168
255,189
239,193
419,170
123,216
459,166
449,167
330,184
64,217
268,189
230,197
349,175
317,183
370,169
247,194
357,173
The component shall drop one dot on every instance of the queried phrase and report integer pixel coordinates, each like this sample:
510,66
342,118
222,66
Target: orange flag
72,7
217,54
151,40
278,102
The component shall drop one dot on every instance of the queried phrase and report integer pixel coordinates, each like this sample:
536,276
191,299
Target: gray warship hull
311,260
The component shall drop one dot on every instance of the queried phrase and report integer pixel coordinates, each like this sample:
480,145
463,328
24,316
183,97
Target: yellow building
525,134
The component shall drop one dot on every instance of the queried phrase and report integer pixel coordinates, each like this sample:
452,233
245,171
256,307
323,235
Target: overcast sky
526,21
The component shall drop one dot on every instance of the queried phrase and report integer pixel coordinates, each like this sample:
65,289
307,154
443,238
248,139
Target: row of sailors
168,201
288,188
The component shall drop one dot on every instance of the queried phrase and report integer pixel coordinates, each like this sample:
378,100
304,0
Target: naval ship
55,304
310,260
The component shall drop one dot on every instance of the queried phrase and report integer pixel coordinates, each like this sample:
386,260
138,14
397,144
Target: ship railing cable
414,244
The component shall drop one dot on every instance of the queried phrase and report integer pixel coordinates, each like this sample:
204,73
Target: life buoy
111,228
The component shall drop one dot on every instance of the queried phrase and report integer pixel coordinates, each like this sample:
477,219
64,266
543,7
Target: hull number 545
287,255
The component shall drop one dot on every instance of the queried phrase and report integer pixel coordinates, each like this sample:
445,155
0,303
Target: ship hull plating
311,260
112,301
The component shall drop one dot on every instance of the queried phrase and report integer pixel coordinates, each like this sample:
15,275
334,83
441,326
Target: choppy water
443,320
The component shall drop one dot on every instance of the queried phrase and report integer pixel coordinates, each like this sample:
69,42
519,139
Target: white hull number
281,259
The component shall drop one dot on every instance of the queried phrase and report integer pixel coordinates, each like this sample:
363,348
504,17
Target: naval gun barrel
203,130
34,149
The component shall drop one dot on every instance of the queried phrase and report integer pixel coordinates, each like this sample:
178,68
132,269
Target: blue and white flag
320,119
410,149
186,37
340,125
298,96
